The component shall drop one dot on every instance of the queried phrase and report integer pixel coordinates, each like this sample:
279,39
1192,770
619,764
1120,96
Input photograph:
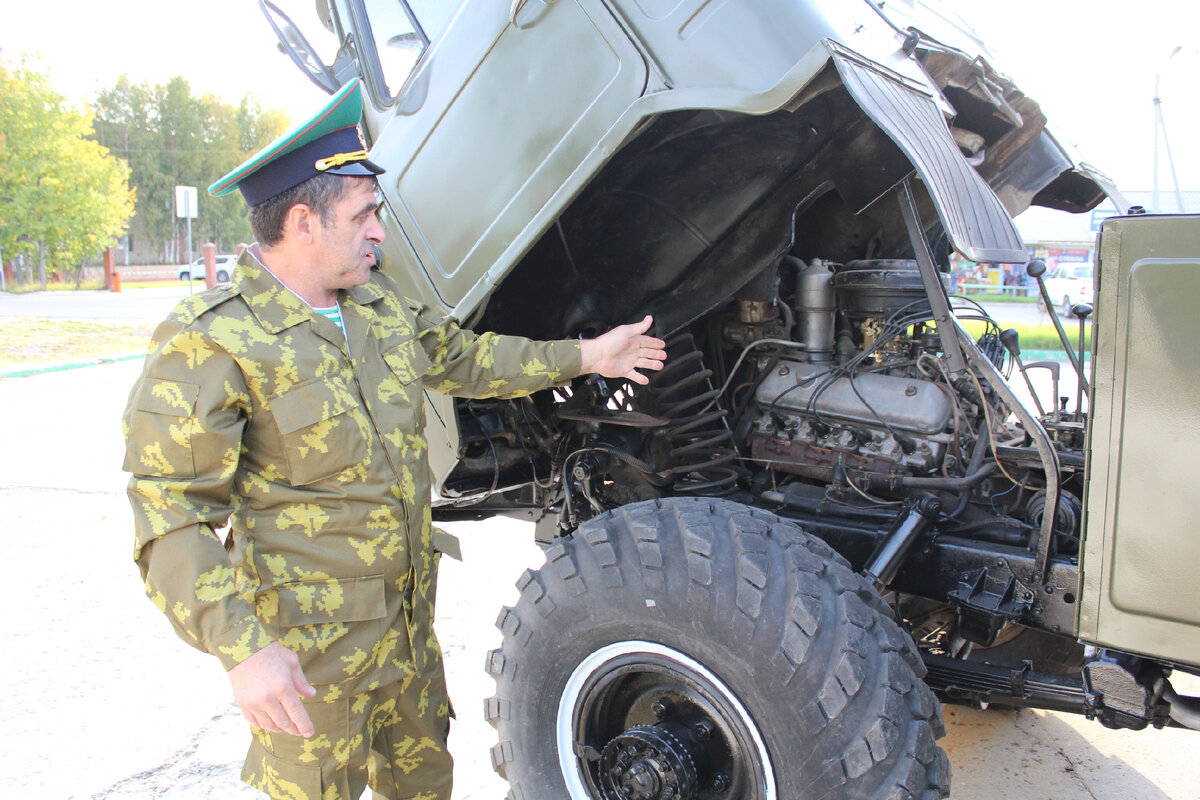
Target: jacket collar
366,294
277,307
274,305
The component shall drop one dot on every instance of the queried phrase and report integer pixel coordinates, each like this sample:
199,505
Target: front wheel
695,649
1066,307
222,276
185,276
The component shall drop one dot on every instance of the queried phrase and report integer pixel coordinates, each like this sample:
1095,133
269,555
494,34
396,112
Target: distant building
1059,237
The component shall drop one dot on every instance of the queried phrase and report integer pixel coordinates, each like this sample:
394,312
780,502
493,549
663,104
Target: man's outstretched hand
267,686
624,350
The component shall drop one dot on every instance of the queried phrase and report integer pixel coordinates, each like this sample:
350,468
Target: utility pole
1160,127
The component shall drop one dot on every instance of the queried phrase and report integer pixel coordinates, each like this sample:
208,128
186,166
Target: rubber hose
1184,710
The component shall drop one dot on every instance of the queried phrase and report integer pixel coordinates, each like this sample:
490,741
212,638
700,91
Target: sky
1091,64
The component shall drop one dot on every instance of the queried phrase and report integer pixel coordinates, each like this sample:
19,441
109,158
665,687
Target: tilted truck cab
831,509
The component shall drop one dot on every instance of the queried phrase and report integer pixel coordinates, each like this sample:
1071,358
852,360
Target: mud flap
976,222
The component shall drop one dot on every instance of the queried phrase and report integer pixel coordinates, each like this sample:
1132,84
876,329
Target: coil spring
701,444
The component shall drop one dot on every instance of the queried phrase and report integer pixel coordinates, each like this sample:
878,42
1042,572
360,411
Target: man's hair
319,193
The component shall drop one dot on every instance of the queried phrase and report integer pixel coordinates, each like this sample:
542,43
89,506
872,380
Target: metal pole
187,213
1170,161
1157,124
3,283
938,302
187,210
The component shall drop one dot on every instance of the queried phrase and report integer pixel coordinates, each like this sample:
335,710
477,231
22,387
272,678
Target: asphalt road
130,307
134,306
102,701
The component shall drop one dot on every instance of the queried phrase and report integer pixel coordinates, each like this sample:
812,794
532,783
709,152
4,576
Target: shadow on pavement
1005,755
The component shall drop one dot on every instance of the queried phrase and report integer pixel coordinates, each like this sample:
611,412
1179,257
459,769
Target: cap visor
363,167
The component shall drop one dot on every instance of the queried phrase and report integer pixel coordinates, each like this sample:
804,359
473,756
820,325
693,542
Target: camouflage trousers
392,739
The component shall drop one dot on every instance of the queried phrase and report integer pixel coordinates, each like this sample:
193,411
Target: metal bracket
985,602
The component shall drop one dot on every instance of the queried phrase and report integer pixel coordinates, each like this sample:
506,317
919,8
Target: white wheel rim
569,763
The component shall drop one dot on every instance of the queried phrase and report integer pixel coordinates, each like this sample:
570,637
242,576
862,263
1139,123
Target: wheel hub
647,762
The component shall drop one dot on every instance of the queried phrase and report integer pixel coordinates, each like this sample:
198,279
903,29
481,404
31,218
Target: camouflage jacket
251,408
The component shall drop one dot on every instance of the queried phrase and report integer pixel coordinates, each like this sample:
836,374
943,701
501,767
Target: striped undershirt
334,315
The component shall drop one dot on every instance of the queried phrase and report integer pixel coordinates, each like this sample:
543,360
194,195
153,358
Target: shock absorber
702,454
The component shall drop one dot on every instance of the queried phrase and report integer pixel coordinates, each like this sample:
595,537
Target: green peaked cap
327,142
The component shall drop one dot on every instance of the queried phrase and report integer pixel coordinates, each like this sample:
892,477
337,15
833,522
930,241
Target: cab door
1141,549
480,114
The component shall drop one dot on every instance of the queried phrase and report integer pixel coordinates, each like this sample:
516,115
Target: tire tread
862,722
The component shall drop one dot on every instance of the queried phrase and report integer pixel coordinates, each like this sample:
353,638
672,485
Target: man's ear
301,223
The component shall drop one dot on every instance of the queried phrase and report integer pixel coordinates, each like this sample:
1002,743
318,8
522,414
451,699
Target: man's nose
375,232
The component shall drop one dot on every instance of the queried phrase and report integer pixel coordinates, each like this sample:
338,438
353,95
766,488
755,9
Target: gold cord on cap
338,159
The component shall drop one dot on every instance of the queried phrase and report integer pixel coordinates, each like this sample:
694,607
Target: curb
25,372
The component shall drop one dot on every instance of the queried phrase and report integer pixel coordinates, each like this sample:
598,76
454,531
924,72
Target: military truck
831,511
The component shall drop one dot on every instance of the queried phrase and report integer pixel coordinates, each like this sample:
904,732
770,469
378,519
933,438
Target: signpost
185,208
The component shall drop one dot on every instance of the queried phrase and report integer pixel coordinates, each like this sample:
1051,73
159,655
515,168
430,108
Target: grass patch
1038,337
999,297
53,286
32,341
197,286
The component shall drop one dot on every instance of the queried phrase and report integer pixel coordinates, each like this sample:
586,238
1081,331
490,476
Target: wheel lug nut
703,728
720,782
660,707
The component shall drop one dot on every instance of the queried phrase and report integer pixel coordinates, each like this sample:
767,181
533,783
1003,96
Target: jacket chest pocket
401,387
323,430
408,364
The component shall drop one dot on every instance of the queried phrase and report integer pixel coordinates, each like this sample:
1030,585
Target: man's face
346,246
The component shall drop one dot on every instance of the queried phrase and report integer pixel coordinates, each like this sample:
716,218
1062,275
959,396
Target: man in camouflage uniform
290,402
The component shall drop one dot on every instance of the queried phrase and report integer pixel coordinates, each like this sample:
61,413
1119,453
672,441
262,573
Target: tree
171,137
63,196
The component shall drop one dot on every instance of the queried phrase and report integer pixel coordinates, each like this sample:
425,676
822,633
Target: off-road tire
812,689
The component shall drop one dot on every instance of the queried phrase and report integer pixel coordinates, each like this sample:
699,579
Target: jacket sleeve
464,364
183,429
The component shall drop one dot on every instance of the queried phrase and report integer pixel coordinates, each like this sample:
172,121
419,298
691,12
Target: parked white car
1068,284
224,268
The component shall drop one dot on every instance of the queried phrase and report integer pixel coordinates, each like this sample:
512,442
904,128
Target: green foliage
1041,336
1000,297
170,138
60,191
58,286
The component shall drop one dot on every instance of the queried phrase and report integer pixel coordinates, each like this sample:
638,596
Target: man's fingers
280,718
650,342
301,683
265,687
299,723
282,714
261,720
